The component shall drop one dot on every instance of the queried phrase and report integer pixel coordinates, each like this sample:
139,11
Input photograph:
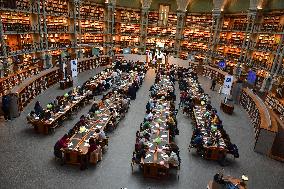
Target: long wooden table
215,151
79,143
44,126
154,164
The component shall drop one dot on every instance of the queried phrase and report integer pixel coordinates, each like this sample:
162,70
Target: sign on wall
228,82
74,68
222,64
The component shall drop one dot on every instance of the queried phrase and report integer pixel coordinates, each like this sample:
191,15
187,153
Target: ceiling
199,6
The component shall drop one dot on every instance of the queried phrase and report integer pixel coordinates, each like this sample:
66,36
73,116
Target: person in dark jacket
132,92
213,84
6,102
38,109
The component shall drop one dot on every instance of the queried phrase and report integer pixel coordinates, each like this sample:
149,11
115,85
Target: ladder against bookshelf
22,94
265,130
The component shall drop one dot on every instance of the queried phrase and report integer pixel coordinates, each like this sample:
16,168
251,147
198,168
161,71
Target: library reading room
142,94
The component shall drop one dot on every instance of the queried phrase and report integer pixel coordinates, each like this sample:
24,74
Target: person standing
213,84
6,102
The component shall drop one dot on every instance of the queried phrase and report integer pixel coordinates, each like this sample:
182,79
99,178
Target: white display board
74,67
228,82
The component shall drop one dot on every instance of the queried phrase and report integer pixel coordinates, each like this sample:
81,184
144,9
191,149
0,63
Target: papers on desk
150,144
70,144
164,136
51,119
164,156
105,118
99,126
86,144
148,155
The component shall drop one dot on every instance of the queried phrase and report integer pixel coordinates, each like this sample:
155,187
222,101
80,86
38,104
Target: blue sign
222,64
251,77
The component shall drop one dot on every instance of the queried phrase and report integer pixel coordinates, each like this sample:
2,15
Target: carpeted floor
27,159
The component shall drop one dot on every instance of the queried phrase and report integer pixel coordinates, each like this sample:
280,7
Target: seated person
95,107
83,120
172,159
38,109
139,155
149,116
93,145
62,143
47,115
101,134
31,116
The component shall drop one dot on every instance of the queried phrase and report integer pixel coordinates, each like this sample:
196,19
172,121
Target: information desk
22,94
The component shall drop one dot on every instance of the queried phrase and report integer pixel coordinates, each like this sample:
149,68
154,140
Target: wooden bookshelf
265,131
19,43
276,104
272,23
15,22
15,4
91,26
12,80
262,60
234,22
57,24
196,35
91,39
128,16
91,11
88,64
211,72
55,7
58,41
30,88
